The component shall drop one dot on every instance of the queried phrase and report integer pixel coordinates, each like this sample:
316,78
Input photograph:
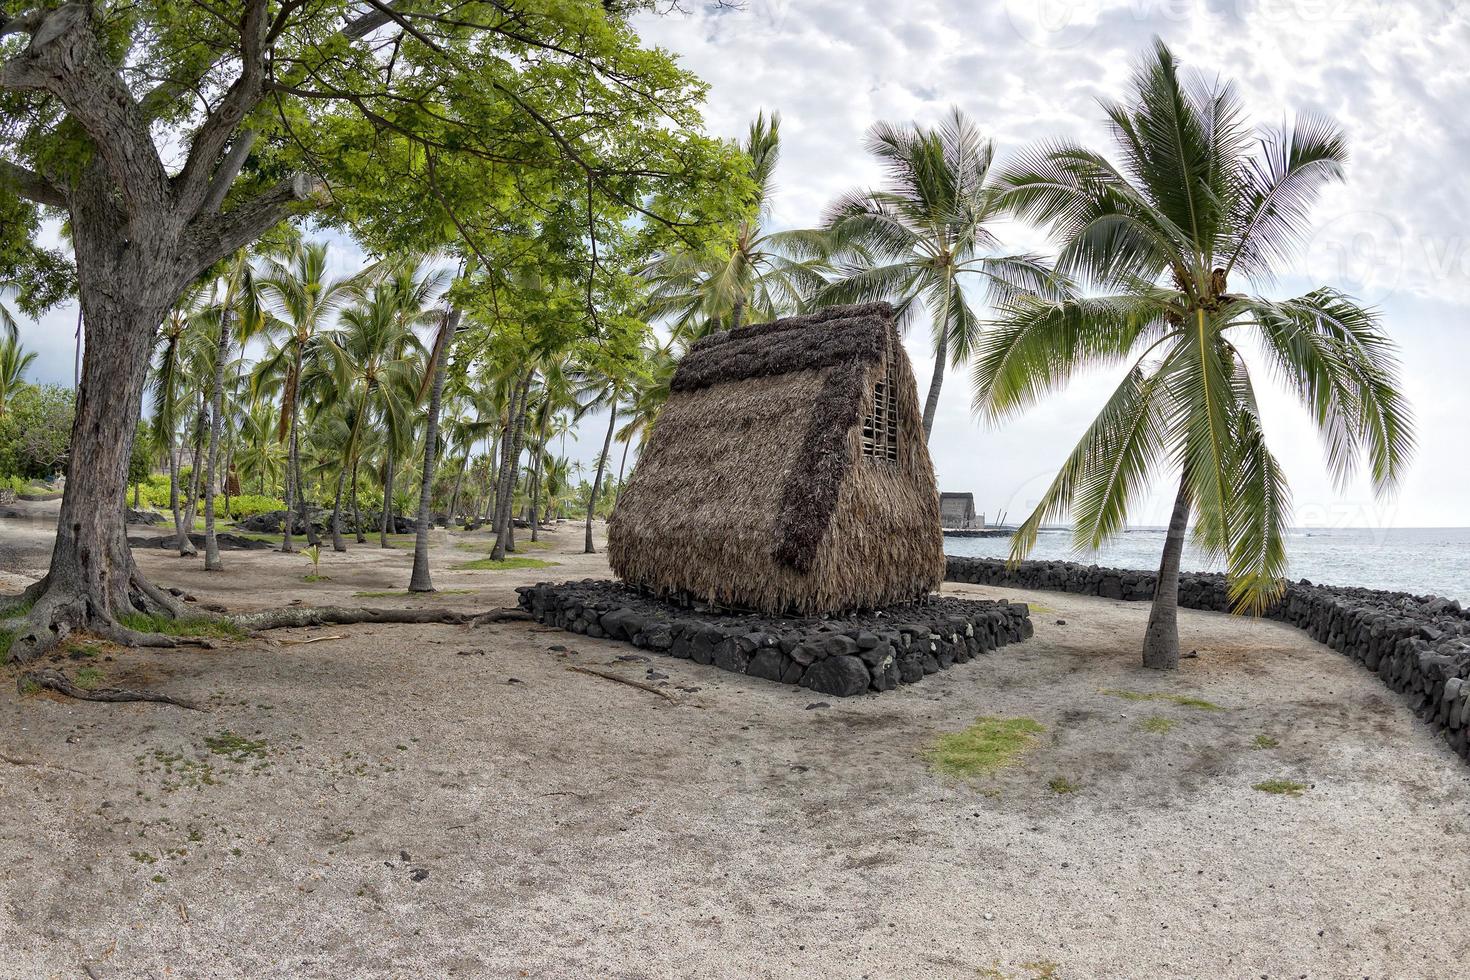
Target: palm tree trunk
173,486
356,510
420,581
1161,642
612,423
293,449
931,403
191,505
388,515
458,482
504,522
337,543
622,467
212,561
540,451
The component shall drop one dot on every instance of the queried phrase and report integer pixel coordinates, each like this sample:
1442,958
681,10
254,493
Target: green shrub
250,504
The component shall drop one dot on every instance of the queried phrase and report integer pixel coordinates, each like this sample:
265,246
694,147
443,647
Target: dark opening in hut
787,473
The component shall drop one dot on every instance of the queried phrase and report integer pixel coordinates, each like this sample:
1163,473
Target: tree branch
194,182
212,238
23,23
228,170
31,185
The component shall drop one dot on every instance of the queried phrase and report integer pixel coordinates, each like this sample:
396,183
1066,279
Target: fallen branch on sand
50,679
624,680
274,619
315,639
508,615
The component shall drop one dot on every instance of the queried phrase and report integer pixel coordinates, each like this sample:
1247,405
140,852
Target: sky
1390,71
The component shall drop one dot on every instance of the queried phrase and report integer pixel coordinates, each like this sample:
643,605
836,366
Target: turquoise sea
1424,561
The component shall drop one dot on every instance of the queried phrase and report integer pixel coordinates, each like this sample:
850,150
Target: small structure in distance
957,512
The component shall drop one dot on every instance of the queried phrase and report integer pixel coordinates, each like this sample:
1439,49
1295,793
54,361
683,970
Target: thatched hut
787,473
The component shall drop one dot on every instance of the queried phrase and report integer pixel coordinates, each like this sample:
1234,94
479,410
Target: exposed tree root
274,619
123,636
54,680
507,615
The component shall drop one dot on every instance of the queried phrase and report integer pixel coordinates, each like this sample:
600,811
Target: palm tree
260,456
238,316
1196,199
14,362
918,240
171,387
303,300
369,370
759,276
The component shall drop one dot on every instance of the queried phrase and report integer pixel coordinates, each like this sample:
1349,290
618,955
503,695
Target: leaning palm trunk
357,510
212,561
1161,641
936,382
612,423
536,481
420,580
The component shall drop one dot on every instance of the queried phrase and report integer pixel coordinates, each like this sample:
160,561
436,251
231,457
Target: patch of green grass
193,626
1280,787
236,748
384,595
1157,724
1063,785
6,639
534,545
1183,700
987,745
317,578
28,687
89,678
1264,742
490,564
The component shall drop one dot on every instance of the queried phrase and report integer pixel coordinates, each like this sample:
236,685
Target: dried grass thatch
753,491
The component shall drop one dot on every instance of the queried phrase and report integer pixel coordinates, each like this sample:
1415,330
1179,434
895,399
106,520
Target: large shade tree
1192,216
171,134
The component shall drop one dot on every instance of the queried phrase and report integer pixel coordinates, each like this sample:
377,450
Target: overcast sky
1391,71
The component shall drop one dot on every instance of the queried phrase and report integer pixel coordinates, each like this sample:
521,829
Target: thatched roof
750,493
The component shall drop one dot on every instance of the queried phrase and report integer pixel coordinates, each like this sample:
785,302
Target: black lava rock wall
873,651
1418,645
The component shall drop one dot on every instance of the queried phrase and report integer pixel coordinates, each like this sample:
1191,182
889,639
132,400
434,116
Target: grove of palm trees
378,308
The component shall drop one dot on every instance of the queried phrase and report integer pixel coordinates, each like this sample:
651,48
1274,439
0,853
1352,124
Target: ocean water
1421,560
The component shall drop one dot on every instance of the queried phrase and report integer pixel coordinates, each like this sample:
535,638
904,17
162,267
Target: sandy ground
441,802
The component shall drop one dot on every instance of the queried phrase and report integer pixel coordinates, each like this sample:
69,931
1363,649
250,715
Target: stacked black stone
875,650
1418,645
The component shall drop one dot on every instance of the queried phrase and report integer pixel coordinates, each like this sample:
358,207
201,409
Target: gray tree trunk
612,423
420,580
936,382
1161,641
536,485
212,561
